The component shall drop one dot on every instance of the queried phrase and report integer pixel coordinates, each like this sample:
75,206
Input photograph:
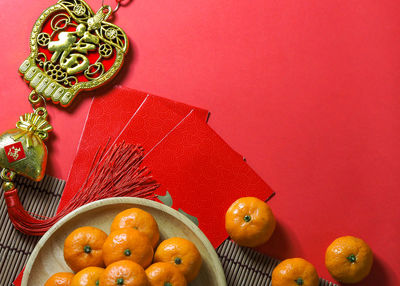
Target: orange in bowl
182,253
89,276
84,247
46,259
124,272
165,274
140,220
128,244
60,279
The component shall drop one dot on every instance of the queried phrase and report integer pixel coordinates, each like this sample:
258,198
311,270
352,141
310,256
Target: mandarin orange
140,220
250,222
84,247
128,244
165,274
89,276
60,279
349,259
124,272
295,271
183,254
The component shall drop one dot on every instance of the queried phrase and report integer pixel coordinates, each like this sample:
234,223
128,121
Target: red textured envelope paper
109,115
185,156
203,174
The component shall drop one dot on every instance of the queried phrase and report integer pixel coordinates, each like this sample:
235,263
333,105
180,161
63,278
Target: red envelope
197,153
109,115
203,175
145,118
185,155
193,163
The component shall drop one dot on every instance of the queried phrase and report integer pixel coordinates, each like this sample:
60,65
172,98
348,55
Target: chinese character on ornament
67,43
14,152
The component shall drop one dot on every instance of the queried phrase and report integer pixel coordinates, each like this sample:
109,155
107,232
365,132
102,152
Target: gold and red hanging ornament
73,49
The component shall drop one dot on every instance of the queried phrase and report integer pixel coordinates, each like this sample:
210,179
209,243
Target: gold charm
73,49
22,149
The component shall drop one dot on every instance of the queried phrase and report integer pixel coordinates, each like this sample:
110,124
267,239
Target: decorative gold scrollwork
70,80
43,39
94,71
69,47
105,50
41,59
79,10
113,35
60,22
54,71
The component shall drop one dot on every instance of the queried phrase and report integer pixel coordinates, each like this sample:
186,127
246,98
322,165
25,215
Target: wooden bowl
47,257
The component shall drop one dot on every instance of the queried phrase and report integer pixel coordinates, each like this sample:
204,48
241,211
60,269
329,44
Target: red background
307,91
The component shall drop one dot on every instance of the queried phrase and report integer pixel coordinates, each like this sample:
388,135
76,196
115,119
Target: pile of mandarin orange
125,256
128,256
250,222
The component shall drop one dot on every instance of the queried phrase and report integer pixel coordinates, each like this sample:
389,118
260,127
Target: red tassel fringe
115,173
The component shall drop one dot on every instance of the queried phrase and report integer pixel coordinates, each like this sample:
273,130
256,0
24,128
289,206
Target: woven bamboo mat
242,266
37,197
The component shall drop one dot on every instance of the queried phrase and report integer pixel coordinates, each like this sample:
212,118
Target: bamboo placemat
242,266
37,197
245,266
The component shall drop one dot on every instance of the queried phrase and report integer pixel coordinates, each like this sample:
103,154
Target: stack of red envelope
202,174
187,158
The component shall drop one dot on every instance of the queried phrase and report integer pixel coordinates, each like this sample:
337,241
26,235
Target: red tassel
116,173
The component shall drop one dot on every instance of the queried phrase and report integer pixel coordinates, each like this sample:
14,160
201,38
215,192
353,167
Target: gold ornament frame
97,27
